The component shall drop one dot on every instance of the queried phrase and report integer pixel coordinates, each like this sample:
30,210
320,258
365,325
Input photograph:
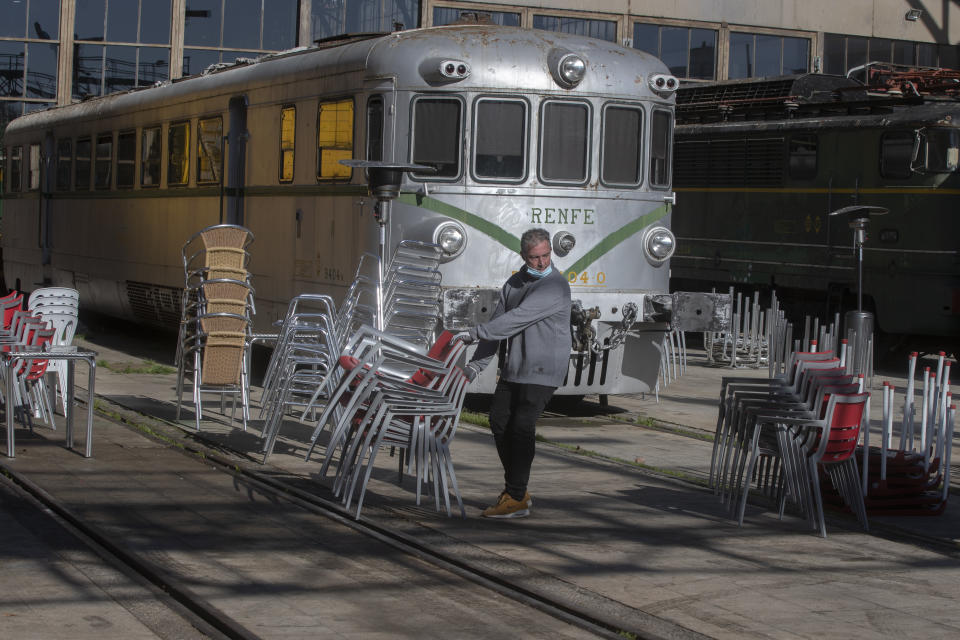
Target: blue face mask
539,274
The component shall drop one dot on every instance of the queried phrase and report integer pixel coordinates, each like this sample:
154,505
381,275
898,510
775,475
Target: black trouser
513,419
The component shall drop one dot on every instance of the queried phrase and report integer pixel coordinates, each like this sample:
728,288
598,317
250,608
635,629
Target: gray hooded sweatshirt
533,318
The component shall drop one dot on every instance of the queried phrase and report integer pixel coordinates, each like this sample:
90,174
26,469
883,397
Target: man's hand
471,372
463,336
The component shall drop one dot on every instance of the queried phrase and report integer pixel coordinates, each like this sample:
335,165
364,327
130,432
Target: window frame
34,167
201,180
641,164
131,133
795,173
669,158
284,109
373,99
16,160
143,161
459,99
527,110
87,159
588,167
99,161
185,124
353,139
58,186
886,135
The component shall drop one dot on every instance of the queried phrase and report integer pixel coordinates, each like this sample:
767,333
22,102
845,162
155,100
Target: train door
236,162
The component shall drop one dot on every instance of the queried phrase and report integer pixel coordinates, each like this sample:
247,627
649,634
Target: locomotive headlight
563,243
567,68
659,244
452,239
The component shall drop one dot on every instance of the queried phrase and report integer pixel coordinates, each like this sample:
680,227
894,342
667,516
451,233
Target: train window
178,146
375,128
803,157
288,131
33,177
16,168
82,164
622,161
209,150
501,139
939,150
564,141
64,164
896,154
334,139
437,123
126,159
661,132
150,157
104,161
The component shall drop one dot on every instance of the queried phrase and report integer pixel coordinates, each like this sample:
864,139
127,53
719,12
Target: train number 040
585,277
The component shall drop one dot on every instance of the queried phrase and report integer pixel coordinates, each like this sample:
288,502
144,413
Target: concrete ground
612,531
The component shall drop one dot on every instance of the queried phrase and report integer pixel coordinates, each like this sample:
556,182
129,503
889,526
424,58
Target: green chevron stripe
618,236
494,231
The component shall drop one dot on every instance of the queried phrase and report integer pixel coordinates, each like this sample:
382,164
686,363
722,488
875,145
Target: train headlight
664,84
659,244
452,239
567,68
563,243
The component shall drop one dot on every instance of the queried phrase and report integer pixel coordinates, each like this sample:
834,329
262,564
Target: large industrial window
448,15
150,157
82,164
126,159
803,156
564,141
33,176
500,149
689,52
601,29
622,161
436,136
209,150
16,168
842,53
661,132
334,139
104,161
64,164
288,136
375,128
178,148
896,154
755,55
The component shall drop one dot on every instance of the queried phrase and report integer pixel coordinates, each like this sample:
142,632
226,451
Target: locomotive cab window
661,133
81,165
622,160
104,161
334,139
939,150
288,135
896,154
16,168
437,124
178,146
209,150
64,164
500,147
150,157
33,177
803,157
126,159
375,128
564,142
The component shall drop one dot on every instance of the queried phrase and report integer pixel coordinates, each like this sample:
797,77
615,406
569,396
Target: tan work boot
507,507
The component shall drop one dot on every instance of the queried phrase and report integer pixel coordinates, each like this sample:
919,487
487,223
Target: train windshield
939,150
500,140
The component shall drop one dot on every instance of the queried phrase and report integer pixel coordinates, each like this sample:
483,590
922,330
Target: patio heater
860,321
383,179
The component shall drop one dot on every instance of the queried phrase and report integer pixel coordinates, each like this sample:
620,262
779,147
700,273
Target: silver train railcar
523,128
760,165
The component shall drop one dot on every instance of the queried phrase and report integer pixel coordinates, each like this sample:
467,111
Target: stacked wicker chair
215,324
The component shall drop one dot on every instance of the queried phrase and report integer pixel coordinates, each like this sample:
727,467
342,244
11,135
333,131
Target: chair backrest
64,325
10,304
56,295
844,416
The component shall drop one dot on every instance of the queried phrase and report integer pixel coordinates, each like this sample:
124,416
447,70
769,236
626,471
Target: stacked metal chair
26,329
217,308
315,330
59,307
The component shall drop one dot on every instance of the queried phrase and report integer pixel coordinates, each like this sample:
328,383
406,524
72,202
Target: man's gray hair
531,238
